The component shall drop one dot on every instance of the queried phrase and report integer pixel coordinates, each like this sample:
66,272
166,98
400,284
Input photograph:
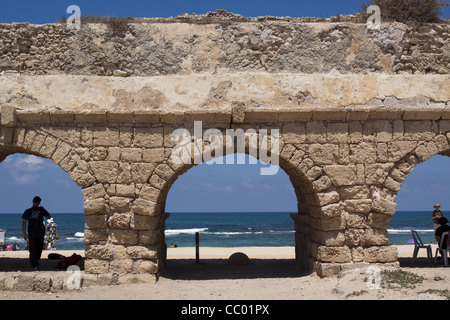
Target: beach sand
271,275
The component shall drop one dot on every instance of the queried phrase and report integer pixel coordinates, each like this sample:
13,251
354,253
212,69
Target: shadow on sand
420,263
215,269
10,264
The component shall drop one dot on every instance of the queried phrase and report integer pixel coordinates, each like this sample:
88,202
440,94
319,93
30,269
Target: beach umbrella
410,241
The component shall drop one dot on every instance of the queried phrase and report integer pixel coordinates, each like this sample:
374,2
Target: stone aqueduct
344,133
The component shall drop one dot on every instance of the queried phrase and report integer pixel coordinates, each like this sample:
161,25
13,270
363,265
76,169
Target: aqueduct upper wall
356,111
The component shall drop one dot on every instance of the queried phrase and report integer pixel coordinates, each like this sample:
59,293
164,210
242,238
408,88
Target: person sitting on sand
443,227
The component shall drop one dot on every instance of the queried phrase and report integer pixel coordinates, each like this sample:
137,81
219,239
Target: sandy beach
271,275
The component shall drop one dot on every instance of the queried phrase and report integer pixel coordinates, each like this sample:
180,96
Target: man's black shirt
35,217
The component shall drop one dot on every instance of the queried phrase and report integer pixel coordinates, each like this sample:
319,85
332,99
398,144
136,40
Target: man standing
36,230
435,216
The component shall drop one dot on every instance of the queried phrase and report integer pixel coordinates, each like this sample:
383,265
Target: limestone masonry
357,110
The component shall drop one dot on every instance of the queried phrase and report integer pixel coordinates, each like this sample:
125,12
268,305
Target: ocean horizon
219,229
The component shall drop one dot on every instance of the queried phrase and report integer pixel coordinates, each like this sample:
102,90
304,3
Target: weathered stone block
125,190
121,266
96,266
125,237
355,220
341,175
145,207
149,193
377,173
105,171
141,222
380,254
106,137
150,237
337,132
148,137
141,172
334,254
354,192
316,132
8,116
103,252
92,236
325,198
120,204
93,222
329,238
384,206
364,152
154,155
294,133
146,267
376,237
359,205
141,252
354,237
378,220
323,154
131,154
94,206
392,185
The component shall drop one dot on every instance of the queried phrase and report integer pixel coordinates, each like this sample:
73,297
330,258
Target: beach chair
419,244
444,252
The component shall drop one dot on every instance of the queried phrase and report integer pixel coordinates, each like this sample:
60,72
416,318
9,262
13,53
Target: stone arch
41,143
408,154
421,152
302,173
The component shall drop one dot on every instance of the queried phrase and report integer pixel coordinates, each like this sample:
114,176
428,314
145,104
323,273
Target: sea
226,229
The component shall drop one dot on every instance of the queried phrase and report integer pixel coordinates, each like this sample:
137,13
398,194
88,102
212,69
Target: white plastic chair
419,244
444,252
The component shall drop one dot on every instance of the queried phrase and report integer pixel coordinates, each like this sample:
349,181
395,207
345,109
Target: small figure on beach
34,216
52,234
435,215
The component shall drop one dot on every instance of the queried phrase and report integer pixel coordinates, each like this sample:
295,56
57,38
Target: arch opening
425,186
233,206
25,175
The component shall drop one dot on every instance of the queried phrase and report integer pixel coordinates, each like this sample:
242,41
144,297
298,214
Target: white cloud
24,169
208,185
228,188
30,163
24,163
248,183
24,179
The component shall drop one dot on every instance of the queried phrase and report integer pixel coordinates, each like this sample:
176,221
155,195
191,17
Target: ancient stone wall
122,161
153,48
353,120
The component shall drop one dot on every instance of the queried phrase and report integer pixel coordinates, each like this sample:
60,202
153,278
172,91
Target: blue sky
205,187
50,10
